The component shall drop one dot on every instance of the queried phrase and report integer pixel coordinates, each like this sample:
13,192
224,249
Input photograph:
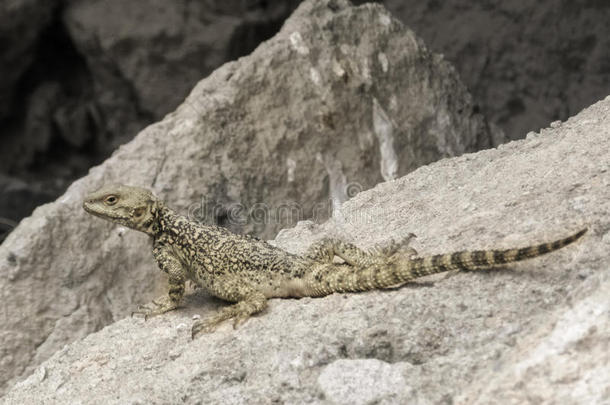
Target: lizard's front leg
172,266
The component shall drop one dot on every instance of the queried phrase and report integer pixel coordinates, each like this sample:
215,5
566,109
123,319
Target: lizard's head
133,207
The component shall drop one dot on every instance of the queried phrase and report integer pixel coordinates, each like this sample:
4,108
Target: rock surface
536,332
341,99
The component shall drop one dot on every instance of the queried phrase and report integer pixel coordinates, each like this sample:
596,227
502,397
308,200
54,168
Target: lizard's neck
167,222
160,218
172,226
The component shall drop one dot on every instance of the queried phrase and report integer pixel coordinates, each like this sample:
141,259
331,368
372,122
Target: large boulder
533,332
341,99
144,56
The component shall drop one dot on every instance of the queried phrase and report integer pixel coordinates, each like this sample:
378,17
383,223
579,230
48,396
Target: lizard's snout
87,205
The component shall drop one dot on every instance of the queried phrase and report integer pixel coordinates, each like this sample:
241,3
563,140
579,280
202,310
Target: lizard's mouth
89,207
92,209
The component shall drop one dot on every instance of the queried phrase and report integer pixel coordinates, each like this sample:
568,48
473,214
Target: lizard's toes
202,327
238,321
141,310
409,252
144,309
146,313
156,307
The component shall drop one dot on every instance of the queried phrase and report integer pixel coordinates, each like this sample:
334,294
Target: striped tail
332,278
481,259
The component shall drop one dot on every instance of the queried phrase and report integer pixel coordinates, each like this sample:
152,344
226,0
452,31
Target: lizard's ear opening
139,212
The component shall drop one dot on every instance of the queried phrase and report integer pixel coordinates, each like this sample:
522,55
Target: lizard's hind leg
242,310
326,249
394,247
321,251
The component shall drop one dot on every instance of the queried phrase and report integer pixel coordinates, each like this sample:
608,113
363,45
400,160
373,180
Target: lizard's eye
111,200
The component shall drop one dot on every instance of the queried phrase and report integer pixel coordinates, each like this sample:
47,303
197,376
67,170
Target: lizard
248,271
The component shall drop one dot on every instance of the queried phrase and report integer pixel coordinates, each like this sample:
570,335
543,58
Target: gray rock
533,332
340,99
526,63
565,362
145,56
363,381
152,55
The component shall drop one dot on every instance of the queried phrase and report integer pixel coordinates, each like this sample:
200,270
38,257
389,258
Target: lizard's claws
209,325
238,321
202,327
155,307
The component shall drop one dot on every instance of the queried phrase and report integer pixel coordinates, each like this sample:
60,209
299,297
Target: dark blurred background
80,77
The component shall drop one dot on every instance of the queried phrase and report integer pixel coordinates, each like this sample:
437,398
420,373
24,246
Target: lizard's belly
231,283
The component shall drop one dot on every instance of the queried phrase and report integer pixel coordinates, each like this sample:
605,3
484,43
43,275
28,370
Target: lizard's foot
409,252
209,325
240,312
394,247
321,251
157,306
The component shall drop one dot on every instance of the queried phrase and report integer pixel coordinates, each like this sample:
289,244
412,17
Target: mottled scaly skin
248,271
